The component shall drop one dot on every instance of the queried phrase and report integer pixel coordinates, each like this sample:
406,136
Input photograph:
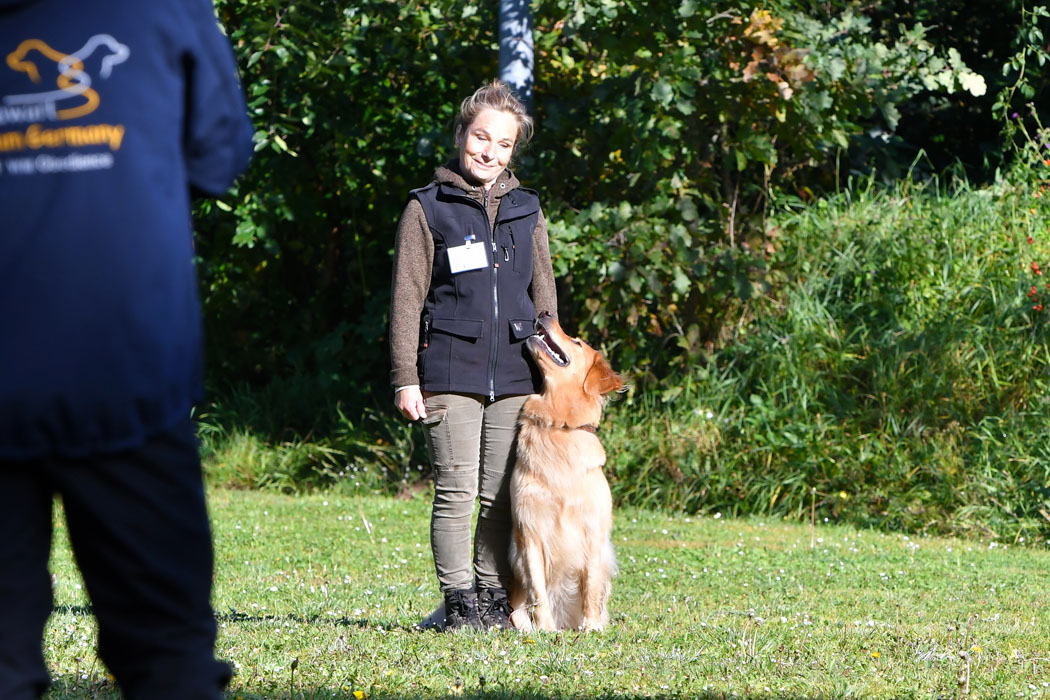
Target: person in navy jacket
111,113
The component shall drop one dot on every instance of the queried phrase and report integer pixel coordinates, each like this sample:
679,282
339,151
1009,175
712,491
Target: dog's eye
576,340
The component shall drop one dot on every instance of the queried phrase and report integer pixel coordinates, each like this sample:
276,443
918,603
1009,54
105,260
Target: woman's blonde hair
499,96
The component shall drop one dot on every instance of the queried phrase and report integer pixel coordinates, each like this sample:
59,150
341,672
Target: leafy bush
351,102
666,125
688,119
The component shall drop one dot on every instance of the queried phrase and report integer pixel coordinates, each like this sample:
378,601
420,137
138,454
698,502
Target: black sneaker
494,608
461,610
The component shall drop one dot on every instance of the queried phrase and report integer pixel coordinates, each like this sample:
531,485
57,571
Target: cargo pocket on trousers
438,437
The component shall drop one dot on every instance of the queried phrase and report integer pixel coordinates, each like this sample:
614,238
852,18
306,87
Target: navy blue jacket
110,111
475,321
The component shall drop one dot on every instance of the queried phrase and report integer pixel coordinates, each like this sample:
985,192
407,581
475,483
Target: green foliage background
681,147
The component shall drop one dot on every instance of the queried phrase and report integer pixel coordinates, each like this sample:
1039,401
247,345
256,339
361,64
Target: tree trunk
516,48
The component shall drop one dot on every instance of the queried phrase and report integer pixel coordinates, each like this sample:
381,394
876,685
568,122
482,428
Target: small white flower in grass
717,516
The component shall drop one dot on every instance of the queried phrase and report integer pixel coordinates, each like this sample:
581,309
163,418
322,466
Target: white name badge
470,256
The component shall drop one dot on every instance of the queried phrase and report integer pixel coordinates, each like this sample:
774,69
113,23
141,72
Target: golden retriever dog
561,506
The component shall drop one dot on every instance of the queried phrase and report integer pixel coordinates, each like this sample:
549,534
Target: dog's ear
601,379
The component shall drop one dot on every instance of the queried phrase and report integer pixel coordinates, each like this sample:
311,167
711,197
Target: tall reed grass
901,379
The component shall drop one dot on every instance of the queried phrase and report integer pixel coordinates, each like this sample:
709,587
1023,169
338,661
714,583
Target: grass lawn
317,597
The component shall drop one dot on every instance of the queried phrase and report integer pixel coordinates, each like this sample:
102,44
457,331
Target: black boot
494,608
461,610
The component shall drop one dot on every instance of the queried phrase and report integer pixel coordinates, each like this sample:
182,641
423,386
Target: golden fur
561,505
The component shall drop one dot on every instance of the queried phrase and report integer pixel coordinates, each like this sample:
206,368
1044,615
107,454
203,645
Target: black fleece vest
474,322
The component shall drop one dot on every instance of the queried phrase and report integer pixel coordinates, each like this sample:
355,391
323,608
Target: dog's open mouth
556,354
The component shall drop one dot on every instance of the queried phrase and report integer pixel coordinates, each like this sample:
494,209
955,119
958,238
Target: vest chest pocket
518,245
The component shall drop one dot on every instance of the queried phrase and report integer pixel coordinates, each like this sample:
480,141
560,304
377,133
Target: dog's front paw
519,620
544,622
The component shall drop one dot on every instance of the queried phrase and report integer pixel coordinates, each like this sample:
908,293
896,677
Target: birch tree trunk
516,48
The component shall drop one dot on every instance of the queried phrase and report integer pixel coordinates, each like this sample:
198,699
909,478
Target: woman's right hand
409,401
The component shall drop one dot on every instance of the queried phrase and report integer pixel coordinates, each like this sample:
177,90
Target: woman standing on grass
472,269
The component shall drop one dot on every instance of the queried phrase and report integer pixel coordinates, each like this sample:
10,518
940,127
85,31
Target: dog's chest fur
559,489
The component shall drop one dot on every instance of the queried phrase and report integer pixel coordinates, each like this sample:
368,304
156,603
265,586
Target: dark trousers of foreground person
139,530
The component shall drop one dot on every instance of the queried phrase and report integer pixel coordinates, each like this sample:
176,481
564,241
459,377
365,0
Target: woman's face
486,145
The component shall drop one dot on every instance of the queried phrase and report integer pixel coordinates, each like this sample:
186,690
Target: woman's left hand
409,402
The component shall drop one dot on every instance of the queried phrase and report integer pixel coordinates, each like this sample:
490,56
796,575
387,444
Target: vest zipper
494,337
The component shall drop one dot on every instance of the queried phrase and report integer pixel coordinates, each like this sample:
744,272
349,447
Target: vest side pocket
454,349
521,328
466,328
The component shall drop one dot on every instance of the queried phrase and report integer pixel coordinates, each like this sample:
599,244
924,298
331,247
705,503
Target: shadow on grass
71,687
74,610
236,616
93,682
363,623
327,694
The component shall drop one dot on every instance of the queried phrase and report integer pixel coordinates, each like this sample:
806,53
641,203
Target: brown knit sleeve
413,262
542,290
